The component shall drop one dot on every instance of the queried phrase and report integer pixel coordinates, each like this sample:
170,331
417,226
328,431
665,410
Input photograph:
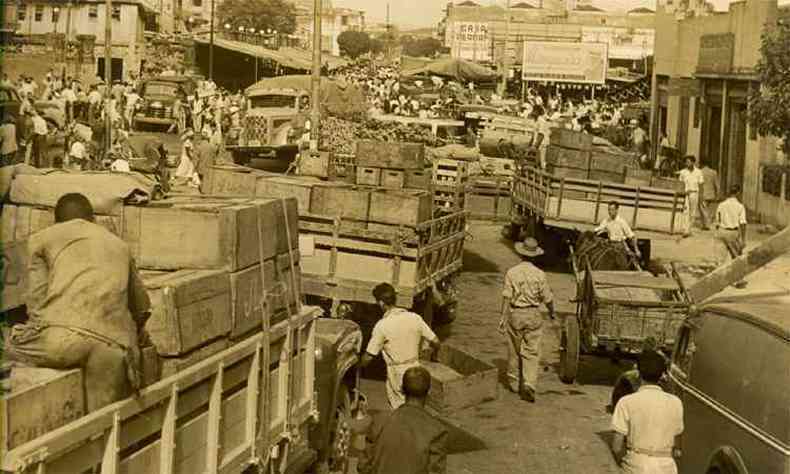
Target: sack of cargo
107,192
500,144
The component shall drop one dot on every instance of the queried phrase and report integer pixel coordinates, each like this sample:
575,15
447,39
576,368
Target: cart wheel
569,350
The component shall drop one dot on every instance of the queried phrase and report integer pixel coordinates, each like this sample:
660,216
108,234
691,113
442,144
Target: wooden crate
247,295
172,365
408,208
418,178
449,198
567,157
368,176
316,165
346,202
342,168
613,163
445,170
638,177
393,179
203,233
570,139
299,188
393,155
564,172
50,399
189,308
607,176
151,367
231,180
460,380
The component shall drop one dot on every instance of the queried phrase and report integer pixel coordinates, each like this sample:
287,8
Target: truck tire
340,432
569,349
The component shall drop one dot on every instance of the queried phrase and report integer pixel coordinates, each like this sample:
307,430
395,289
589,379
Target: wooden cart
618,311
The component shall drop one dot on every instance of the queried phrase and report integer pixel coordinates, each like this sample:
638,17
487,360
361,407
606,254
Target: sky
422,13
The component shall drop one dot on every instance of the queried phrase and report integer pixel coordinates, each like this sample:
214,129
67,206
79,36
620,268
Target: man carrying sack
86,303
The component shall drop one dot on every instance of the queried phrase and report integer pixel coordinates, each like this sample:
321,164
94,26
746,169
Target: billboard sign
472,41
563,61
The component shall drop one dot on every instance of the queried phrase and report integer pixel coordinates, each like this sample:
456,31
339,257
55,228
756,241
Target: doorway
712,136
117,69
683,126
733,173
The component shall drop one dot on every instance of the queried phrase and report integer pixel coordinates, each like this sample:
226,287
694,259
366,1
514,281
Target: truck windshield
283,101
160,88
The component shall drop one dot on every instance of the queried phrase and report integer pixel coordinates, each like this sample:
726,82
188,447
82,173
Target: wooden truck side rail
570,202
341,262
218,416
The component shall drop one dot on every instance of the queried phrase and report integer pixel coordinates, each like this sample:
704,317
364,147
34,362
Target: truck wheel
340,432
569,349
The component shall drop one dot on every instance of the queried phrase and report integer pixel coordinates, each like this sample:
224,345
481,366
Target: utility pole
211,46
107,74
505,57
315,112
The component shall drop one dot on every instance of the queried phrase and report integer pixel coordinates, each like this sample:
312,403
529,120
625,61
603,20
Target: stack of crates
450,180
390,165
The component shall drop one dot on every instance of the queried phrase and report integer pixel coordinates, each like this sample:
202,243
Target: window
344,20
39,12
55,14
93,12
116,13
21,13
197,3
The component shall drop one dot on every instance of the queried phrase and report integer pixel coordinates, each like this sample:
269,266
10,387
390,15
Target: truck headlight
319,353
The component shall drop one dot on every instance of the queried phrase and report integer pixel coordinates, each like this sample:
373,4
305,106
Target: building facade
334,21
80,23
490,34
704,74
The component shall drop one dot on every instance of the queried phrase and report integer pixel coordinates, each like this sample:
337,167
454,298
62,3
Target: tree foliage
354,43
770,104
421,47
277,15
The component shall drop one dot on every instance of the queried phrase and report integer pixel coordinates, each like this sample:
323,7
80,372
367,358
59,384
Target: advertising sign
472,41
563,61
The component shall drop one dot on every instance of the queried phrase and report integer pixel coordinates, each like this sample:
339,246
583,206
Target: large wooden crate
567,157
50,399
299,188
204,233
488,198
346,202
393,155
248,295
240,181
190,308
570,139
418,178
460,380
408,208
170,366
613,163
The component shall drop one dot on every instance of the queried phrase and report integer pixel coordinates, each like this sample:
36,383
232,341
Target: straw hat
529,248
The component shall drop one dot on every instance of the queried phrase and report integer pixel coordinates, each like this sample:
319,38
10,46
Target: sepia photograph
395,237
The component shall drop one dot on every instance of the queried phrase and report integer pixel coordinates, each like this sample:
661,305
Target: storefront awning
288,57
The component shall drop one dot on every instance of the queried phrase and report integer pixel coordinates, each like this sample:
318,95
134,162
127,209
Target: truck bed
576,203
216,416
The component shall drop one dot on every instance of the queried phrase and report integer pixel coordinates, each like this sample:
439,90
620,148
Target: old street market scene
395,237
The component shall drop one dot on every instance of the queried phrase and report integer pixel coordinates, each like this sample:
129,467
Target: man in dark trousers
412,441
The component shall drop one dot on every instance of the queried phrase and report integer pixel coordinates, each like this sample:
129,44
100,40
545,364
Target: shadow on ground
458,440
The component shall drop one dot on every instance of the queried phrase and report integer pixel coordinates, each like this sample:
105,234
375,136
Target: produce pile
340,136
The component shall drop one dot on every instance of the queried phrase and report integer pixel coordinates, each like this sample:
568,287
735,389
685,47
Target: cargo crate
460,380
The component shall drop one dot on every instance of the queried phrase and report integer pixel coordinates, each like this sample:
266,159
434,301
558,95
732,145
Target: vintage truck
158,95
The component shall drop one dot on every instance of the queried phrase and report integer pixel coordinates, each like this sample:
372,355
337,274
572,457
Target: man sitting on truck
86,304
617,228
398,334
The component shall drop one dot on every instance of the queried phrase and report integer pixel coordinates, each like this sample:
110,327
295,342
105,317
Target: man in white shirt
617,228
692,179
39,139
648,423
398,336
731,224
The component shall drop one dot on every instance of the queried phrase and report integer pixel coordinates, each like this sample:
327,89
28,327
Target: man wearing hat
524,291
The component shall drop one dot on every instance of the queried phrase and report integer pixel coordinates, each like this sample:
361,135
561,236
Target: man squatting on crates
398,336
86,304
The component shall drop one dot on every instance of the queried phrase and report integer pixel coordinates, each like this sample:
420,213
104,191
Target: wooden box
407,208
393,155
608,176
393,179
45,400
189,309
286,187
614,163
231,180
315,164
172,365
346,202
151,367
570,139
368,176
460,380
638,177
418,178
198,233
246,294
567,157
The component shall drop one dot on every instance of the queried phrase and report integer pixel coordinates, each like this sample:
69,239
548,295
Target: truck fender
726,460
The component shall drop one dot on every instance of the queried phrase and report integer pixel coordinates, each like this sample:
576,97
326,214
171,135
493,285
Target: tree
770,103
279,15
422,47
354,43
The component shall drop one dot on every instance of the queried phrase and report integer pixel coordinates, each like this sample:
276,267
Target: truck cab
158,95
271,126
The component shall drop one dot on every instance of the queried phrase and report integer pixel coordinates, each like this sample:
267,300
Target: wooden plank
581,211
173,365
49,400
634,280
188,309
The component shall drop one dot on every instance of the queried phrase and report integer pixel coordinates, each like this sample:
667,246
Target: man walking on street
647,424
411,440
731,227
692,180
398,335
525,290
86,302
710,194
38,139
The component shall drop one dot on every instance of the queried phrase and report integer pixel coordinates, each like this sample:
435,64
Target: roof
641,10
769,312
522,5
468,3
289,57
587,8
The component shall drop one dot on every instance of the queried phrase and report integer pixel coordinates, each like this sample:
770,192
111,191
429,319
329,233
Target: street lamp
56,18
241,33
